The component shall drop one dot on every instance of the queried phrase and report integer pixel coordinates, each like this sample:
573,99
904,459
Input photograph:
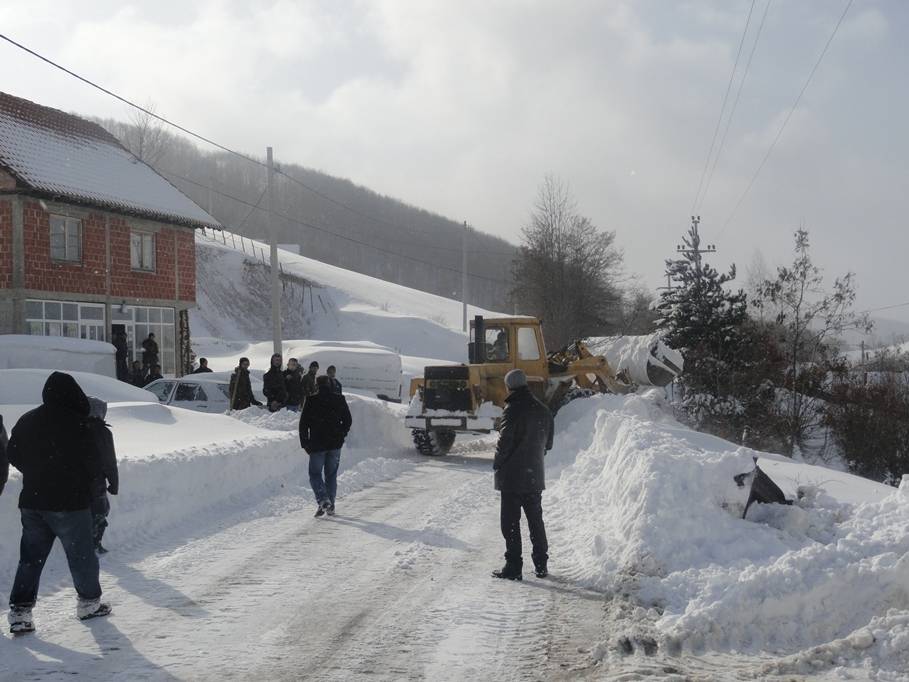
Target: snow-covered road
396,586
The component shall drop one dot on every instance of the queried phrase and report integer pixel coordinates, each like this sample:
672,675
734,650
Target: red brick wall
89,277
6,243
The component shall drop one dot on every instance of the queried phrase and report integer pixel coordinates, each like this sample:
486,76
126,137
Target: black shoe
509,572
100,549
331,510
320,511
540,571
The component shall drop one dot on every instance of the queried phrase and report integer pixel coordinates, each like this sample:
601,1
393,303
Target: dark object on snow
508,572
762,488
524,437
387,398
4,464
240,389
325,421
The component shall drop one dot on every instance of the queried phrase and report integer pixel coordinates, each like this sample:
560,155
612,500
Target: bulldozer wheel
433,443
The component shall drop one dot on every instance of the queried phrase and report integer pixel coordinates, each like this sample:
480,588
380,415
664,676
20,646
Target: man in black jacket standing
524,437
240,389
52,447
273,385
293,382
324,424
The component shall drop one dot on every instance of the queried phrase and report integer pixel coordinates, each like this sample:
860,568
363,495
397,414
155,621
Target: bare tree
566,270
145,136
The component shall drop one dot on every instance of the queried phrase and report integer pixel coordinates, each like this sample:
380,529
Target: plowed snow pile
648,508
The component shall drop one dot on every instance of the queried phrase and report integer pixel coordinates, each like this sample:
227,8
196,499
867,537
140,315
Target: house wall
173,278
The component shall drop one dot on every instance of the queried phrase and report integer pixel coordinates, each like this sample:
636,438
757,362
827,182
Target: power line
198,136
335,234
779,133
735,104
716,130
886,307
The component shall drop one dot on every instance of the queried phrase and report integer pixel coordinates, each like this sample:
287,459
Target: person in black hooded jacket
4,463
52,446
240,388
273,385
109,479
324,424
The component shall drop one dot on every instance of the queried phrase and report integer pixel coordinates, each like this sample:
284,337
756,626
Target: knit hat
515,379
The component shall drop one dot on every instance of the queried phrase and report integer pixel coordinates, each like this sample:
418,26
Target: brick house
92,240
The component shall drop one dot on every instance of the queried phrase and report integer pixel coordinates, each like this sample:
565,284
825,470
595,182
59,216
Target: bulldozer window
497,344
528,349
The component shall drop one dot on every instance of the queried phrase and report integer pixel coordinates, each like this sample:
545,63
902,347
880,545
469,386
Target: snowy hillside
319,301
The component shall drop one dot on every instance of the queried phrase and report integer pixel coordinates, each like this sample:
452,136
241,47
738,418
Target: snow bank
57,352
648,507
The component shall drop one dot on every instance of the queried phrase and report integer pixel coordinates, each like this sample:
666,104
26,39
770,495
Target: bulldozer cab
502,344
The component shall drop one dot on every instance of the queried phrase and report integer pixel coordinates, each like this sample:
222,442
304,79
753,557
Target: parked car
192,393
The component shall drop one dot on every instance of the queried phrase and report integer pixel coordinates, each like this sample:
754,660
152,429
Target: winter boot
20,620
539,569
100,549
331,510
509,572
320,511
92,608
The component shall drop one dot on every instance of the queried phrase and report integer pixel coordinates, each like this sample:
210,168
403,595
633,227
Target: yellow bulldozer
469,398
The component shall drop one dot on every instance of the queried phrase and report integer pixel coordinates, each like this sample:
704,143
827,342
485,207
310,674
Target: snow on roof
61,155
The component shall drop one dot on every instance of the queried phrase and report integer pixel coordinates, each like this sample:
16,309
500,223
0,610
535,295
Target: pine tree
706,322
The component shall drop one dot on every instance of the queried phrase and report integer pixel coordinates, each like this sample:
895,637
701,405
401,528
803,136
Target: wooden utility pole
464,235
273,244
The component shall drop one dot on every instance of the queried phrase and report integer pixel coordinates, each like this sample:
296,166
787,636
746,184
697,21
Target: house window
142,250
63,318
65,238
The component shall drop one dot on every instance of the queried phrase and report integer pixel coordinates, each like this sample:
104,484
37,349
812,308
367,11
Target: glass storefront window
70,311
154,314
52,310
34,310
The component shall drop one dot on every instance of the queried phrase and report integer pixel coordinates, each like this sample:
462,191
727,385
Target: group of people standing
142,373
284,388
65,452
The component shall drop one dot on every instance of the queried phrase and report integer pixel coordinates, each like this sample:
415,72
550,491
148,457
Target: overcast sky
462,107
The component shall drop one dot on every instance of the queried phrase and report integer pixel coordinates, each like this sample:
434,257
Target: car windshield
161,389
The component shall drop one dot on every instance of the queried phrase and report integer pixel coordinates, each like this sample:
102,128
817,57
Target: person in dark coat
137,374
52,446
524,437
333,382
109,479
293,383
122,356
154,374
149,352
309,381
241,394
324,424
273,385
203,367
4,462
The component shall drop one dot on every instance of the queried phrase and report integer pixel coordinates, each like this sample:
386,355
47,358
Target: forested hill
340,223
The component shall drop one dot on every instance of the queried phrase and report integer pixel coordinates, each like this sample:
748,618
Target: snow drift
648,507
57,352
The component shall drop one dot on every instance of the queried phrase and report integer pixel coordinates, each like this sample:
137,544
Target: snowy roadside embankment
646,507
176,464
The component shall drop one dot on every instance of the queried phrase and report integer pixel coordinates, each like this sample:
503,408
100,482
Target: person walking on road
333,382
324,424
273,385
309,381
524,437
107,479
293,383
52,447
149,352
241,394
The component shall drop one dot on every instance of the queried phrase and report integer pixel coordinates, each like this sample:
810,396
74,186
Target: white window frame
71,229
142,260
59,326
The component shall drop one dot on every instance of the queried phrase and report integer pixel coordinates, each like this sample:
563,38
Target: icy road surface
395,586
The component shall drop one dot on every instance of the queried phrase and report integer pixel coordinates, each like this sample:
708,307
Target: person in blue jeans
53,448
324,424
